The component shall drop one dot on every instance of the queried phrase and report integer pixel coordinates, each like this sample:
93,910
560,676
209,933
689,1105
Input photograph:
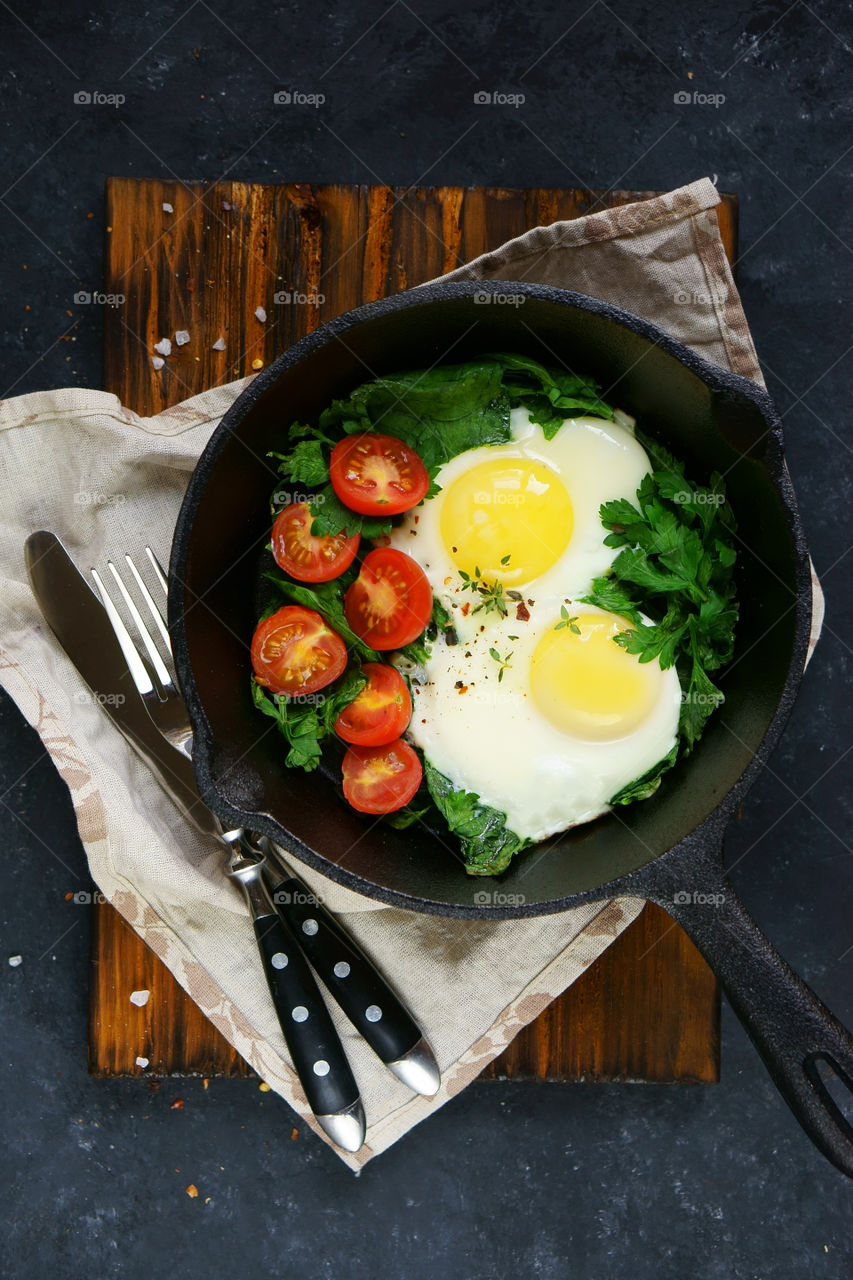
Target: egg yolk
587,685
511,518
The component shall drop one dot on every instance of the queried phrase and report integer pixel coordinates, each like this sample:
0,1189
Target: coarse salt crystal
139,997
167,208
14,961
219,345
157,362
142,1062
164,346
261,315
182,337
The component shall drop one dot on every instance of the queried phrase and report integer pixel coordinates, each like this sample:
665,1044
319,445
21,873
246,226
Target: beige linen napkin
106,480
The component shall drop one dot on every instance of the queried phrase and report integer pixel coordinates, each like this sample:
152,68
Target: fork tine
150,647
135,665
159,571
159,620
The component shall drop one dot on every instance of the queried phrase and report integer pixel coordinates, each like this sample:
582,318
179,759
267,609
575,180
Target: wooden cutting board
648,1009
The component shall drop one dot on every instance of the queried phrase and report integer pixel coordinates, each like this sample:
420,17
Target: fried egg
538,711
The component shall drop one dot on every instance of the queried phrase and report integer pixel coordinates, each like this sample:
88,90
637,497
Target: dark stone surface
506,1180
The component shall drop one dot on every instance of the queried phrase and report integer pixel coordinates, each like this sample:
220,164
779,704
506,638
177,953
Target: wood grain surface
648,1009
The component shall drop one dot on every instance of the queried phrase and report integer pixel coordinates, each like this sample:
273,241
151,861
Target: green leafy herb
306,463
675,565
550,395
331,517
503,663
405,817
440,412
418,651
306,721
488,845
491,593
567,621
327,598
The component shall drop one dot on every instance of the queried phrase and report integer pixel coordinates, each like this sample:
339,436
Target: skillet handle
801,1042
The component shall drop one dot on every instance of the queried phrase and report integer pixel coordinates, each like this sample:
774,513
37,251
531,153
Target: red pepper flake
463,688
522,612
69,895
294,1134
466,608
177,1105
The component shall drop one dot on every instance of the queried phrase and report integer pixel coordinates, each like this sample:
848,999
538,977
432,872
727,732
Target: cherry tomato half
381,779
380,713
390,601
305,557
295,652
377,475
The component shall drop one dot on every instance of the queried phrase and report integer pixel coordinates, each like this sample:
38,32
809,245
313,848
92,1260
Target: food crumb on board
294,1134
261,315
157,362
142,1062
164,346
192,1191
177,1105
139,998
264,1087
257,364
182,337
167,208
218,345
14,961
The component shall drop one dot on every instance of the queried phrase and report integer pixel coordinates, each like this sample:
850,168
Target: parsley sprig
676,566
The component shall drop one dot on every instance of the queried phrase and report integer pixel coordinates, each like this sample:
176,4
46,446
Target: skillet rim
707,833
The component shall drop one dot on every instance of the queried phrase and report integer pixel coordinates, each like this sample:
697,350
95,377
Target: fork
371,1005
314,1045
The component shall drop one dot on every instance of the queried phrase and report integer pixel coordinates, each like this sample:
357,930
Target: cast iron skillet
667,849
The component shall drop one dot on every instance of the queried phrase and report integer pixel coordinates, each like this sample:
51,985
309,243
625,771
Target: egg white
595,460
488,735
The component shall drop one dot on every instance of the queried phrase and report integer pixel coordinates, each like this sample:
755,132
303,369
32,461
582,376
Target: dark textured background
507,1180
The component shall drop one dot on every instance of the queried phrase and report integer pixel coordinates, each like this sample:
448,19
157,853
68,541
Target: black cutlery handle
318,1056
365,997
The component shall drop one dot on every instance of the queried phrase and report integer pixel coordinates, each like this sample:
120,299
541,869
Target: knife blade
76,617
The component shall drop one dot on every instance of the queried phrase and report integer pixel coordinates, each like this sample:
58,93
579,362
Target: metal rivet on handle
341,969
310,927
279,960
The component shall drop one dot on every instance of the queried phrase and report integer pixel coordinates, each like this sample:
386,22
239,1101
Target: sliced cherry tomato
305,557
294,652
377,475
390,601
381,779
380,713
